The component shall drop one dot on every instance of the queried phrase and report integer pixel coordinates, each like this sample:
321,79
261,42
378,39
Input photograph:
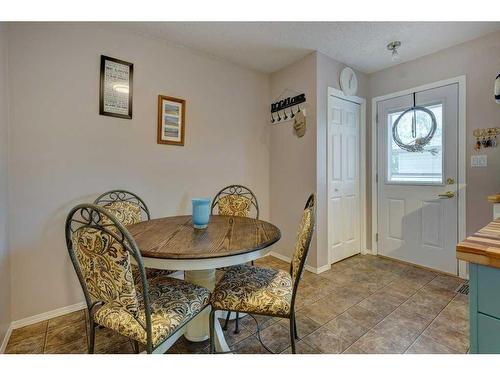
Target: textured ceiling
269,46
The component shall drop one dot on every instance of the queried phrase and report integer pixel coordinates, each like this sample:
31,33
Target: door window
415,167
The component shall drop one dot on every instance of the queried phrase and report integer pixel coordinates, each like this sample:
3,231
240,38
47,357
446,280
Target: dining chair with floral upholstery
235,200
150,312
129,209
266,291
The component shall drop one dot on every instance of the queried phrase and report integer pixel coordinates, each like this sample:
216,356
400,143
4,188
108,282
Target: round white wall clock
348,81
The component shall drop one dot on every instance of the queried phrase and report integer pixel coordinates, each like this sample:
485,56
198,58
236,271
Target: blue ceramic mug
201,212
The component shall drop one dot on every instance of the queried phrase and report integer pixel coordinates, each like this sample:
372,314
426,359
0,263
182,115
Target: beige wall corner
298,165
5,283
293,159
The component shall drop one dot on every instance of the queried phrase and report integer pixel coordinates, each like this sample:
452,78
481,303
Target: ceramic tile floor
364,304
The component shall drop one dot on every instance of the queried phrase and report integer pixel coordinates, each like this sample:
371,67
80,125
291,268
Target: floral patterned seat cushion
105,267
173,303
127,213
260,290
234,205
252,289
306,227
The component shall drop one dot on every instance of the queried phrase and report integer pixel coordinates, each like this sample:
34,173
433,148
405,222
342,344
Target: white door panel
414,223
431,219
395,217
343,179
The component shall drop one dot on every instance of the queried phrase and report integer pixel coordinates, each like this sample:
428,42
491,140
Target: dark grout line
45,338
427,326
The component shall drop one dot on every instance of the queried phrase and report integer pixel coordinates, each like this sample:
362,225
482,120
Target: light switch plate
479,161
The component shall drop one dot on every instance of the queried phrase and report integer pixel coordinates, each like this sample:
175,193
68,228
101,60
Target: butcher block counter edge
483,247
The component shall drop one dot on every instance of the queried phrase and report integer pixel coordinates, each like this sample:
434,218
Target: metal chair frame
90,216
240,191
311,203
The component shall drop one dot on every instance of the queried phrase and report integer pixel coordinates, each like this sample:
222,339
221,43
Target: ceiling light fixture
393,47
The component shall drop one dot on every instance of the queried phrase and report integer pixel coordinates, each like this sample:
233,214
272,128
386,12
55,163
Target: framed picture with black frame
115,89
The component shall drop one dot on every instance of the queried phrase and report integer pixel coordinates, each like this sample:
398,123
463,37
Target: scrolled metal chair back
303,243
236,200
101,248
128,207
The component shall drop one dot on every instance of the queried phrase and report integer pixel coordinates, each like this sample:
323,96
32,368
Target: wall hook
280,107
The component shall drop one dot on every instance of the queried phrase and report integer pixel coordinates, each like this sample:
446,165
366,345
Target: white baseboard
367,252
308,268
279,256
6,339
321,269
39,318
48,315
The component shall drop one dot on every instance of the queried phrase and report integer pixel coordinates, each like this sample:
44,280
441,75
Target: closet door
343,179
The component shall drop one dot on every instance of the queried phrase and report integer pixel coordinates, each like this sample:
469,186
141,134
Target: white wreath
418,144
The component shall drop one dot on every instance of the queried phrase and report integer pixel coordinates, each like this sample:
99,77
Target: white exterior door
417,223
343,179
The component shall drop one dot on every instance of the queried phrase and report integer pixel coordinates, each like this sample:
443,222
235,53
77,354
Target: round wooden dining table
172,243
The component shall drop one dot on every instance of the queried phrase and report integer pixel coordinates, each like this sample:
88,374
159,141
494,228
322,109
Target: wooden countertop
495,198
483,247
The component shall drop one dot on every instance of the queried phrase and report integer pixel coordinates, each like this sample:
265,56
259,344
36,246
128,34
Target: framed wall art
171,120
115,89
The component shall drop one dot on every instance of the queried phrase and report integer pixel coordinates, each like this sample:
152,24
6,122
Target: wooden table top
483,247
175,238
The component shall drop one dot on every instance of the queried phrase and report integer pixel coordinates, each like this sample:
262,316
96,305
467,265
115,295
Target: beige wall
5,305
292,159
63,152
479,60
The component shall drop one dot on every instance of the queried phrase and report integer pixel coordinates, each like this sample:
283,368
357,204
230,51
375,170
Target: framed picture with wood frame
171,120
115,88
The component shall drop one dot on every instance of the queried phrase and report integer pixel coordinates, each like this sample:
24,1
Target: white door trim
462,157
362,162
